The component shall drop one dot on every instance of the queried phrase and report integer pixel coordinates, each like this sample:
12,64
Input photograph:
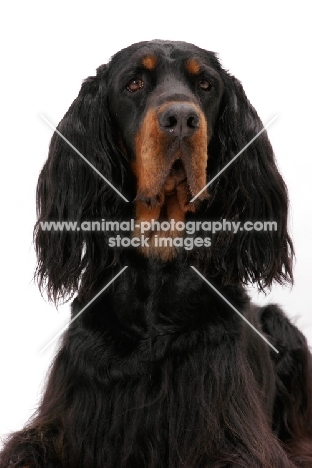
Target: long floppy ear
70,190
250,189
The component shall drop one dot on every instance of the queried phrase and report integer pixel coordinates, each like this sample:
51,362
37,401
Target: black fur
159,371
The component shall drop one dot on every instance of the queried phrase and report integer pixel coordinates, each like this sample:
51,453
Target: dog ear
250,189
70,190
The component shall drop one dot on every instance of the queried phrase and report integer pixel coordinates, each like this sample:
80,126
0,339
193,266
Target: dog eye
135,85
204,84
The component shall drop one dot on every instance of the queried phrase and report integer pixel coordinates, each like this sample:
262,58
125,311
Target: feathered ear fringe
70,190
250,189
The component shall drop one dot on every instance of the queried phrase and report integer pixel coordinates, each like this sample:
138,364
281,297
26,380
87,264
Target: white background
47,49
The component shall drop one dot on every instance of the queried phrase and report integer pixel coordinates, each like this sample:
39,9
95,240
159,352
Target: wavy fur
159,371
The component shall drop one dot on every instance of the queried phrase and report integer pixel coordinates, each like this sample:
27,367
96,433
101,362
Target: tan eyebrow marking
193,66
149,62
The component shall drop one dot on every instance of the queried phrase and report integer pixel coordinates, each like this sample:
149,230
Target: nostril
193,121
171,121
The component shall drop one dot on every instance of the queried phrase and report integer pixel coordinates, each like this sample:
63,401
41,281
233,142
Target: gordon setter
157,369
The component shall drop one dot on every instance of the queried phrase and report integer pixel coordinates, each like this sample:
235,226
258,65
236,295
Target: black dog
159,371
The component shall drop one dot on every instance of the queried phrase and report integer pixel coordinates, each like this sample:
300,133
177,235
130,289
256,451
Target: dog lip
177,167
176,176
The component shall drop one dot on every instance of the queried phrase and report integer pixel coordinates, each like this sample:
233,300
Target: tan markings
151,166
149,62
193,67
196,164
164,190
146,213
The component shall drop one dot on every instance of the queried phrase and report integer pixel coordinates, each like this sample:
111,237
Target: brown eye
135,85
204,84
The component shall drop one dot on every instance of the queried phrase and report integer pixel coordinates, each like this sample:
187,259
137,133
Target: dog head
159,122
164,101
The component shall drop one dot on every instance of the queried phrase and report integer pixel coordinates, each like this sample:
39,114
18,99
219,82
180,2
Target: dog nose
179,120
